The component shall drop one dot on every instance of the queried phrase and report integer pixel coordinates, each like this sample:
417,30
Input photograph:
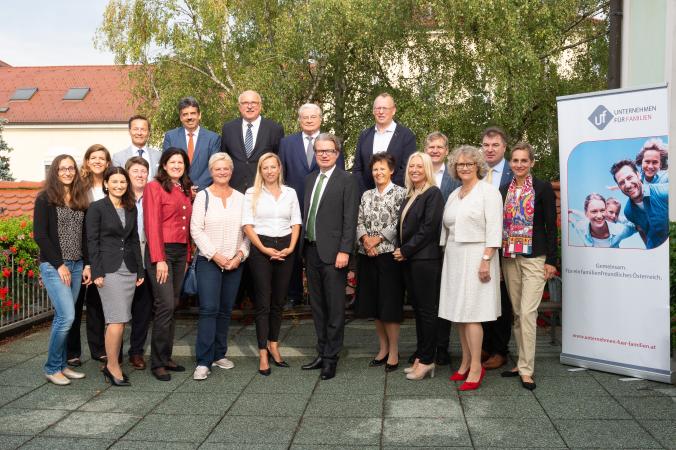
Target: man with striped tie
247,138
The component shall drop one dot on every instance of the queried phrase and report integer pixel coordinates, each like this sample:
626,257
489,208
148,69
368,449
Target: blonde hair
220,156
472,153
429,173
258,182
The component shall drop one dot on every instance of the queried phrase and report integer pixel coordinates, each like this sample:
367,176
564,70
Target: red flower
22,261
23,224
3,292
3,238
12,249
6,272
31,235
6,303
16,306
19,269
31,274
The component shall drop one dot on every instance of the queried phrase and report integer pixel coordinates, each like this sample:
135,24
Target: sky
48,32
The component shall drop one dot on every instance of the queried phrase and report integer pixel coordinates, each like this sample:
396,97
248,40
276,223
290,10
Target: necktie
489,177
191,146
309,152
313,210
248,141
140,152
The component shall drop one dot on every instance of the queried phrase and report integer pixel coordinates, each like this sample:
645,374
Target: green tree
452,65
5,171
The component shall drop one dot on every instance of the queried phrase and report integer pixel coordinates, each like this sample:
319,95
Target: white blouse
219,229
274,217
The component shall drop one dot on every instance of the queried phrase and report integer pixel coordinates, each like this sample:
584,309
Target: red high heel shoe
472,385
457,376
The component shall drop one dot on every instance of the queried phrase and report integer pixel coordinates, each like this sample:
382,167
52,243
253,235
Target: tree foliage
5,171
452,65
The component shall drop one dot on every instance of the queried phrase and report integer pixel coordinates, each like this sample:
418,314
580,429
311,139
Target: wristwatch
485,257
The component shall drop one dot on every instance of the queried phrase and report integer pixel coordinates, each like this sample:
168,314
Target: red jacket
166,218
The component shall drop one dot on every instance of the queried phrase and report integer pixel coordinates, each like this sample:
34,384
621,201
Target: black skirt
380,288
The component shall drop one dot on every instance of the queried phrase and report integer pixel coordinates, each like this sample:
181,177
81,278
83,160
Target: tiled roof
108,101
18,198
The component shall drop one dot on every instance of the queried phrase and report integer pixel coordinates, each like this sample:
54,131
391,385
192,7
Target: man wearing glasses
331,203
247,138
386,136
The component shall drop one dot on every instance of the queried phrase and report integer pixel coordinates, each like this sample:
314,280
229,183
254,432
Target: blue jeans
217,293
63,299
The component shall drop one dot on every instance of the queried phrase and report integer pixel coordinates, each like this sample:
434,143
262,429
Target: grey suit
335,229
153,157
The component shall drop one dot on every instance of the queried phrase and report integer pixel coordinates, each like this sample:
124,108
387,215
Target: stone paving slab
362,408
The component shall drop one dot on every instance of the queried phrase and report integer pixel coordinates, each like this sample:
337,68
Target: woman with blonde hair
419,227
272,222
94,164
470,280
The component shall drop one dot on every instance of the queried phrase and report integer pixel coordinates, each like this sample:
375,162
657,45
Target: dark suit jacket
336,220
109,243
507,175
421,229
545,233
207,144
232,142
401,147
294,163
448,184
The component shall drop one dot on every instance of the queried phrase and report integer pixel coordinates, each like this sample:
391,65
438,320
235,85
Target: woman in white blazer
470,280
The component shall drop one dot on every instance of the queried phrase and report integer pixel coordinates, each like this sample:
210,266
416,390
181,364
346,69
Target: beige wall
36,145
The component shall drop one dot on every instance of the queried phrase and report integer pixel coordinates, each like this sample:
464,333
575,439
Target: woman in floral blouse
380,287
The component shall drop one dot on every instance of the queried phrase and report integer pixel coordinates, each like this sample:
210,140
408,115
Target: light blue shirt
653,218
497,170
661,176
580,234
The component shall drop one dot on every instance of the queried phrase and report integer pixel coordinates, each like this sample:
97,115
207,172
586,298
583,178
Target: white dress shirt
497,170
274,217
254,129
381,140
194,138
439,175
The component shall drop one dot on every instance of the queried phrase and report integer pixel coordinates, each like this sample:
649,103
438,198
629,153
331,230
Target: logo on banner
601,117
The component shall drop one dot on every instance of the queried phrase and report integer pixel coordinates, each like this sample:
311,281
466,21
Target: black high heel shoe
378,362
281,363
112,380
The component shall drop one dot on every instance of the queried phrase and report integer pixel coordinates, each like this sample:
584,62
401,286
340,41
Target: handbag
190,279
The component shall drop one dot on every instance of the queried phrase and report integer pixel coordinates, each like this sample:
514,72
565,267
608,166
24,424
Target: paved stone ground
361,408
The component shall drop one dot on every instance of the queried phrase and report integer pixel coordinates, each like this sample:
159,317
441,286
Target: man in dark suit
199,143
296,152
330,216
139,130
497,332
247,138
436,146
386,136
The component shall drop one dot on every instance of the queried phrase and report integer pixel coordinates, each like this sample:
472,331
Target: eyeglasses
67,169
326,152
382,108
309,117
464,165
249,103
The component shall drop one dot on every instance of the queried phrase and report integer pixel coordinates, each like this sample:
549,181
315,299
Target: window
23,93
76,93
4,109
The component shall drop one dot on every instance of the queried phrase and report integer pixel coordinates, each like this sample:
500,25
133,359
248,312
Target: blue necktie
248,141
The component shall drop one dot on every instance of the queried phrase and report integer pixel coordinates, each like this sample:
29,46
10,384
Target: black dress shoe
161,374
172,366
328,370
378,362
314,365
443,358
391,367
265,372
528,384
281,363
509,374
411,359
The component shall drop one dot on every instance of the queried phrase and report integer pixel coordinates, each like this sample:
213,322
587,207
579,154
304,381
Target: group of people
644,181
255,208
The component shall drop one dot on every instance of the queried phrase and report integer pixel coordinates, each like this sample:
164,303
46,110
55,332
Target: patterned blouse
379,215
70,223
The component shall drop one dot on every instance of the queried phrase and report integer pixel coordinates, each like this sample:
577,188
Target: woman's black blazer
421,229
109,243
545,232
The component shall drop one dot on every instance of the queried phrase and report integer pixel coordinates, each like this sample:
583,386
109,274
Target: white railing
26,291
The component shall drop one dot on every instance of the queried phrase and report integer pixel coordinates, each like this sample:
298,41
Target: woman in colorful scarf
528,252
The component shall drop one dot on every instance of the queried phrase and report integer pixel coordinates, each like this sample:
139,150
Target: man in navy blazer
247,138
296,152
436,146
139,130
199,143
386,136
498,332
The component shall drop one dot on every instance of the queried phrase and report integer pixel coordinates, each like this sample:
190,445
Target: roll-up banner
613,148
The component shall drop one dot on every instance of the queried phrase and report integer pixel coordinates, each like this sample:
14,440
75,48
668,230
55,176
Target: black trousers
271,282
498,332
296,284
443,334
96,325
423,280
326,286
141,313
165,299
